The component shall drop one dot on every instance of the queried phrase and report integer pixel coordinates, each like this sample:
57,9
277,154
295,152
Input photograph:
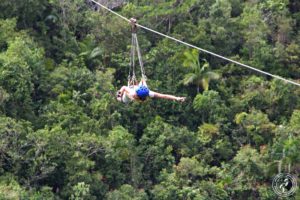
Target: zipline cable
106,8
198,48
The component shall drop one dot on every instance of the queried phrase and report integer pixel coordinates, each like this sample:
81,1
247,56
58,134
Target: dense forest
63,134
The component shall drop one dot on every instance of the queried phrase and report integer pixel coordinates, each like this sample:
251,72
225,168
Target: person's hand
180,99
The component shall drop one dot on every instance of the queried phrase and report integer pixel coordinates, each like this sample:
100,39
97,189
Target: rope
198,48
140,57
135,48
131,76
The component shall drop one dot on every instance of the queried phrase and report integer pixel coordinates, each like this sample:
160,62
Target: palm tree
90,52
200,75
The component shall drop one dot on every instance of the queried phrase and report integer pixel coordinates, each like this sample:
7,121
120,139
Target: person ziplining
139,91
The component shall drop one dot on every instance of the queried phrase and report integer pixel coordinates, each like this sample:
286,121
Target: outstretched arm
167,96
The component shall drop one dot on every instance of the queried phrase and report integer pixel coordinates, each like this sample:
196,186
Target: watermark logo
284,184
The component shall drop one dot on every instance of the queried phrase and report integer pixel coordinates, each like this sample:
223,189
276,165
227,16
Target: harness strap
131,76
140,57
135,48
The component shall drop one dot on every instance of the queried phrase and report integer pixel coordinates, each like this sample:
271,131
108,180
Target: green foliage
7,28
207,132
63,135
12,135
210,106
120,144
10,189
256,126
200,75
221,9
127,192
294,121
81,191
248,171
21,71
189,181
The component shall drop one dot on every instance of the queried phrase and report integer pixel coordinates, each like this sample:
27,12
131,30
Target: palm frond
191,59
212,75
95,53
189,78
205,83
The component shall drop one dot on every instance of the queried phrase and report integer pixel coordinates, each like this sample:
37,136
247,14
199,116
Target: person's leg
126,99
124,94
123,90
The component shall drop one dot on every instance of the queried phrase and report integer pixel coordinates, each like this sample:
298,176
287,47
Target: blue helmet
142,91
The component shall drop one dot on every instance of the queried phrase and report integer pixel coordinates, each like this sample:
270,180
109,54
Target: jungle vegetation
63,135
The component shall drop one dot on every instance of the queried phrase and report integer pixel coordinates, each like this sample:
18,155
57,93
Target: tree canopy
63,134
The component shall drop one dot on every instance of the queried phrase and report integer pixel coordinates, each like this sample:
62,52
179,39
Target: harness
135,49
